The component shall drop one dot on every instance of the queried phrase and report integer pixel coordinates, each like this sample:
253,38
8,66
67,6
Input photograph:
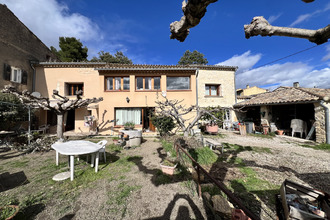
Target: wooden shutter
6,72
24,77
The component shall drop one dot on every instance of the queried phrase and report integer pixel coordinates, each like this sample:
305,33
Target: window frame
218,87
121,89
170,90
18,75
70,85
127,109
144,83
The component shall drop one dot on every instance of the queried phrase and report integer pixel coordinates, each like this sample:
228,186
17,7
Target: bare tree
180,113
59,105
195,10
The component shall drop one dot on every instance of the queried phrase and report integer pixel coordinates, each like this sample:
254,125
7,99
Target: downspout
327,120
32,62
197,71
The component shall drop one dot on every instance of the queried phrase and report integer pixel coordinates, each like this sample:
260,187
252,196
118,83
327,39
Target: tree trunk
60,126
186,133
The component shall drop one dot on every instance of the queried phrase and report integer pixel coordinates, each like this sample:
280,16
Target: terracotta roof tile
284,95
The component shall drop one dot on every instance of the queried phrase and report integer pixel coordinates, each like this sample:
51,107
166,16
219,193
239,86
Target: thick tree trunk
60,126
186,133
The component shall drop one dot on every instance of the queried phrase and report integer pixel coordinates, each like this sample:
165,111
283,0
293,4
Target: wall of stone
19,46
320,122
226,78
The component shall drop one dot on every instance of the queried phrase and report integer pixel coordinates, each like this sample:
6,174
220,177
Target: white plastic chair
103,143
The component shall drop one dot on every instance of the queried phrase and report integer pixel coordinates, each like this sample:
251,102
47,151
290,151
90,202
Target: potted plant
129,125
214,122
8,212
168,167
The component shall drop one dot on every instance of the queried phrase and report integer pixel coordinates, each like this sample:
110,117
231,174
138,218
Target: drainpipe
197,71
327,120
32,63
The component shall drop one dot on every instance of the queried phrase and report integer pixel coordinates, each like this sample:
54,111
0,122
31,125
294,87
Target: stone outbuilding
286,103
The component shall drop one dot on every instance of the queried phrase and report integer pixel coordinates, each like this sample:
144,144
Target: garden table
73,148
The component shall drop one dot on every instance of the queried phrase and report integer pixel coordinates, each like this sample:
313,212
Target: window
16,75
147,83
212,90
178,83
73,88
117,83
124,115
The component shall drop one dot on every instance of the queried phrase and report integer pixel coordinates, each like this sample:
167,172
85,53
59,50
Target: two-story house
19,49
129,91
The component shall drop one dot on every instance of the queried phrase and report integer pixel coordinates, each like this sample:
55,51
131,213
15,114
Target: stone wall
19,46
226,80
320,123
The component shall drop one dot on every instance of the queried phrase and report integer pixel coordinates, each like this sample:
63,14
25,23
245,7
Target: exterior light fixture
127,99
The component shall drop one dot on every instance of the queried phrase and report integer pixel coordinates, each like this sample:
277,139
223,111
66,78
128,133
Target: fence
179,146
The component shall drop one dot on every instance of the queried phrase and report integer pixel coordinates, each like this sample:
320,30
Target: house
286,103
129,91
248,91
19,49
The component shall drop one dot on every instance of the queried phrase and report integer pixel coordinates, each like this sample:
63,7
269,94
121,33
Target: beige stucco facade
93,77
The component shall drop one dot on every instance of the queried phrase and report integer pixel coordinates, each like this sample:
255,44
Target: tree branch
260,26
194,11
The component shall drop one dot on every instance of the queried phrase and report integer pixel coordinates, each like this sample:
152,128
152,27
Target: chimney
296,84
247,86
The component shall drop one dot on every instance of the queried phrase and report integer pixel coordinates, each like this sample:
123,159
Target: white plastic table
72,148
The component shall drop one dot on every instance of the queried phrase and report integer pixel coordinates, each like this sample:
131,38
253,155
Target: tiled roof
114,66
164,67
285,95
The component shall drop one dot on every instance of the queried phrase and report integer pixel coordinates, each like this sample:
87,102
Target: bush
164,124
12,111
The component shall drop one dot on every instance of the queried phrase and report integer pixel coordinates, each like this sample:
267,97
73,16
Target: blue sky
140,29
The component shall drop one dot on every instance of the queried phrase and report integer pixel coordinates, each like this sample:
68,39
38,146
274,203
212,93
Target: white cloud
304,17
279,74
301,18
53,21
244,61
273,18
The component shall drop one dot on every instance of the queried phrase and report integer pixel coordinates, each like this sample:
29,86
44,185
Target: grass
251,185
118,198
318,147
269,135
40,190
204,155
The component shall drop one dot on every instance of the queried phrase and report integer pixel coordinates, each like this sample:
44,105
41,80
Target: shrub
164,124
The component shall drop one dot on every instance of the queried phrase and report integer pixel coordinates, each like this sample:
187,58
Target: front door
146,119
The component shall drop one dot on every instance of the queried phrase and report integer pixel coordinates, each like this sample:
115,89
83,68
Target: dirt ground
287,160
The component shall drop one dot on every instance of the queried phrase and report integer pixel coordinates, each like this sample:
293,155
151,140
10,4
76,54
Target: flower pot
280,132
11,211
212,129
168,169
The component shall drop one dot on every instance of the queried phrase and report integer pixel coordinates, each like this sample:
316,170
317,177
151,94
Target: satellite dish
164,94
36,94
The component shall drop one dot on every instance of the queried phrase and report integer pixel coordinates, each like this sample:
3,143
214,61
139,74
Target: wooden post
199,183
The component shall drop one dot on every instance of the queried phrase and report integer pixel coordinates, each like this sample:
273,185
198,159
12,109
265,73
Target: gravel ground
288,160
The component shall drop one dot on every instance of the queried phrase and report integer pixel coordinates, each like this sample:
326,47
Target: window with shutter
16,75
6,72
24,77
